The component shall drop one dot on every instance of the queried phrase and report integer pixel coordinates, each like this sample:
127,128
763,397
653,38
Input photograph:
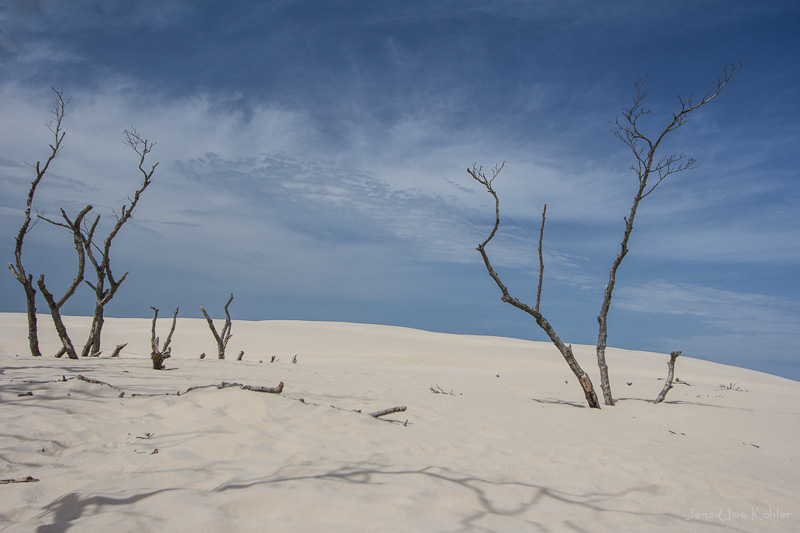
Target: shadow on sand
492,499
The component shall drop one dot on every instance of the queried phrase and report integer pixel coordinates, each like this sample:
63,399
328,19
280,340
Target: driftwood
241,354
118,349
398,409
26,479
670,374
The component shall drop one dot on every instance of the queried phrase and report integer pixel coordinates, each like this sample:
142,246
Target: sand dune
506,445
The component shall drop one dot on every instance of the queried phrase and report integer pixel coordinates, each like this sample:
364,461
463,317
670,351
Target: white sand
518,452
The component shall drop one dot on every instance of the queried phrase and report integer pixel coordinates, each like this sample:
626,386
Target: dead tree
478,174
100,257
670,375
650,173
224,336
17,270
55,306
159,355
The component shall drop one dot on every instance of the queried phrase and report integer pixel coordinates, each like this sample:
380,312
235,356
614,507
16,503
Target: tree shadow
556,401
72,506
527,495
685,402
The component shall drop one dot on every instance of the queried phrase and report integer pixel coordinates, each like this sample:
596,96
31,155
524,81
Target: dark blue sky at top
313,154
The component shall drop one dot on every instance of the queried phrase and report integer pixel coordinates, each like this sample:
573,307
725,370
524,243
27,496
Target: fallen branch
668,385
223,385
439,390
26,479
254,388
398,409
94,381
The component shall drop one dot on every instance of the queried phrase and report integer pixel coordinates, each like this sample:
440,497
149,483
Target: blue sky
313,162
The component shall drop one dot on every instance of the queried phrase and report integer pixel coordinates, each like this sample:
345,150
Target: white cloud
718,306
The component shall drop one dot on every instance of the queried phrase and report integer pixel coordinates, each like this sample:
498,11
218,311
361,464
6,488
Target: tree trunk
159,355
670,375
33,332
566,351
92,345
55,312
26,280
224,336
99,319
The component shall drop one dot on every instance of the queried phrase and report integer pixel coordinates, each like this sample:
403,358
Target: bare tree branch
102,261
644,150
541,260
566,351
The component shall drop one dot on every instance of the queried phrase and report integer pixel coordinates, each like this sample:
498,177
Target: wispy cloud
320,154
745,326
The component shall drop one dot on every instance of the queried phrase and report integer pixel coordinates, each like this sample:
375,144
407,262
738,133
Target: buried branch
26,479
384,412
254,388
118,349
223,385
